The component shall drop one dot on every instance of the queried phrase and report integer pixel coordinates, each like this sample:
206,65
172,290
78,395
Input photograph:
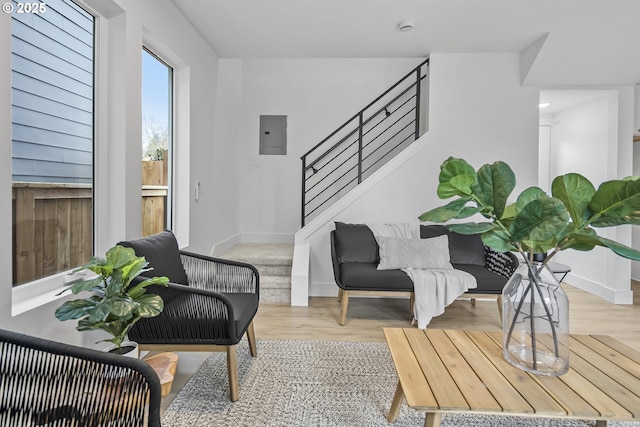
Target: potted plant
535,308
115,304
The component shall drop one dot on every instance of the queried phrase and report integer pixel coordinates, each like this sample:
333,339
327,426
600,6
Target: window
52,139
157,114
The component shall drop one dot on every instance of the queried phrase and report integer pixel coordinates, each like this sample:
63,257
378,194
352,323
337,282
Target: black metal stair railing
362,144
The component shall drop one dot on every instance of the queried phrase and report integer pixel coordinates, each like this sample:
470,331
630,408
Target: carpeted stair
273,261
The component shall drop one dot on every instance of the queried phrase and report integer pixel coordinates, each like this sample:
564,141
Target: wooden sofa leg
412,302
345,303
473,302
232,367
251,336
340,294
500,306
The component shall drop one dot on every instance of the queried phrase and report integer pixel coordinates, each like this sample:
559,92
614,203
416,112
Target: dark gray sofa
354,253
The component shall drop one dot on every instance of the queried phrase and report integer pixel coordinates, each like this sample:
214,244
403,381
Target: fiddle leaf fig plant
536,222
115,304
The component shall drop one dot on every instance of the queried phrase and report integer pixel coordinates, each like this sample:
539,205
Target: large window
157,114
52,139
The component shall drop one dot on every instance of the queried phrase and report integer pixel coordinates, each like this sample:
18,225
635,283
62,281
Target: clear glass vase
535,321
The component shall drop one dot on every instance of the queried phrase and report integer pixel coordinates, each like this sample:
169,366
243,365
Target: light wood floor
366,317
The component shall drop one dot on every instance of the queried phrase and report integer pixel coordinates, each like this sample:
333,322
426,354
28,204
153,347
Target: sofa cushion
397,253
488,281
355,243
360,275
463,248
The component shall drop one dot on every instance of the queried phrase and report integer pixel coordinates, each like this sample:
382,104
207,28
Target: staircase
273,262
364,143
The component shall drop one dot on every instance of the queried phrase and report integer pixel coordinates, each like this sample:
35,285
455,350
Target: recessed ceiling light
405,26
544,104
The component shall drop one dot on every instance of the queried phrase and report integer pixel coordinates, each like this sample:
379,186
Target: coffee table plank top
603,381
469,383
447,393
415,385
529,388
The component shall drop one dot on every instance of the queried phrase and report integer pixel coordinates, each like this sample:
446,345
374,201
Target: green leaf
73,309
615,203
456,178
471,227
446,212
456,186
535,246
539,221
580,240
86,285
493,185
619,248
468,211
509,212
121,306
99,312
498,240
527,196
576,193
150,306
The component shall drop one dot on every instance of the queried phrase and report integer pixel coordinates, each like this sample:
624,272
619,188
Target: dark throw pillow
162,253
355,243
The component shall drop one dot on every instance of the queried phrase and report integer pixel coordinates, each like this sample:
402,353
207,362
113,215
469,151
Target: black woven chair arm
186,312
220,275
59,384
502,263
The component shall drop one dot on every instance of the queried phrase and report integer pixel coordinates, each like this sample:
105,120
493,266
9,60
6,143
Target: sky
155,91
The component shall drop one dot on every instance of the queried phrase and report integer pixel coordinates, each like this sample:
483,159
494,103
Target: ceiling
569,42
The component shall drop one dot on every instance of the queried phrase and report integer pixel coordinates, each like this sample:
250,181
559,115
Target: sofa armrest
502,263
334,260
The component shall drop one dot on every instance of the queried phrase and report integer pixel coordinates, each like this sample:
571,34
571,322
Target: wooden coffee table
464,371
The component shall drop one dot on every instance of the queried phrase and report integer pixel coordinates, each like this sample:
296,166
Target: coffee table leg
601,423
395,404
432,419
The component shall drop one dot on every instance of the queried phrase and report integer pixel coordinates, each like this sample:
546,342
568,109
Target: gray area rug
314,383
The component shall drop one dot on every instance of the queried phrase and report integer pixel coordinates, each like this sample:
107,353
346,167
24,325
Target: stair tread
261,254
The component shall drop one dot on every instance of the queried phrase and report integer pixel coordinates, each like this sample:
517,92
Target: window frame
30,295
170,134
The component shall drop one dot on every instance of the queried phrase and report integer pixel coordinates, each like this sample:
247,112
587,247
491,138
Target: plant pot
535,321
127,349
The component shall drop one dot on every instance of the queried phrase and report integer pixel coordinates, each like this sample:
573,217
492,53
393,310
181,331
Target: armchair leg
340,294
500,306
232,367
251,336
345,303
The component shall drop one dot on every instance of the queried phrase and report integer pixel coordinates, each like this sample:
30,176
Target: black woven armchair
48,383
209,304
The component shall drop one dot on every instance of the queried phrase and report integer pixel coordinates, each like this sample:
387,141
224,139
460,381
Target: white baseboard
323,290
223,246
611,295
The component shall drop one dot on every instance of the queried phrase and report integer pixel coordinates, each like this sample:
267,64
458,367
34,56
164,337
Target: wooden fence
53,223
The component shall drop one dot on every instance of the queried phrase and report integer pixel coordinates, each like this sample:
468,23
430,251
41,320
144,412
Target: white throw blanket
434,289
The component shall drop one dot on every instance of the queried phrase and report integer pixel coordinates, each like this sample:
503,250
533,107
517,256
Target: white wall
586,139
125,25
317,96
478,111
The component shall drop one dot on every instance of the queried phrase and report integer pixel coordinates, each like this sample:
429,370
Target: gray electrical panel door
273,135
